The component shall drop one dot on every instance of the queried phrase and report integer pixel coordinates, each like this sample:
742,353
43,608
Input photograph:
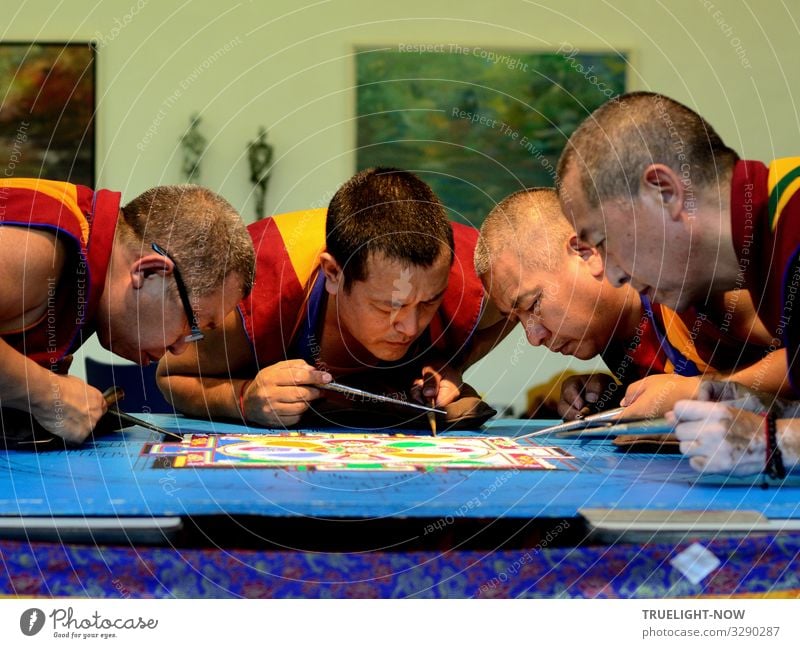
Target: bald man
536,271
682,219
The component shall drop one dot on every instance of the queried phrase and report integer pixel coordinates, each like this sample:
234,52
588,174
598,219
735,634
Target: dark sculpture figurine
259,153
193,146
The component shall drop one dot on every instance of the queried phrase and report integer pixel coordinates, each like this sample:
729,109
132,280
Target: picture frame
477,123
48,96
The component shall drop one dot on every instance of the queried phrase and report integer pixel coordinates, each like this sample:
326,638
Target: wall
289,67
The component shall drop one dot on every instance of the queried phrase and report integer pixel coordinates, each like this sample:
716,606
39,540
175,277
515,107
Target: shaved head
611,149
528,225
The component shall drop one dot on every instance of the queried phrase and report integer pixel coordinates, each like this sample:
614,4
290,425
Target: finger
282,410
709,437
295,363
571,393
77,435
293,409
692,449
306,376
416,391
430,382
297,394
595,386
692,410
699,463
448,392
567,412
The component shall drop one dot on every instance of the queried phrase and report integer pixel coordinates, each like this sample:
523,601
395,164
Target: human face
640,243
568,309
389,310
152,320
195,334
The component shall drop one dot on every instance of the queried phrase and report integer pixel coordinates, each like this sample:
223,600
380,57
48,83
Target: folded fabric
648,443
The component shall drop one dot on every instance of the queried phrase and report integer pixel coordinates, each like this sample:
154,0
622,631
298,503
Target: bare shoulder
32,263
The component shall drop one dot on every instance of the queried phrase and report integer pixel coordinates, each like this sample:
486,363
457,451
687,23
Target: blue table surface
108,477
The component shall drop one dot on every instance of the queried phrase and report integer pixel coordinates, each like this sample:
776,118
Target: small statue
259,153
193,146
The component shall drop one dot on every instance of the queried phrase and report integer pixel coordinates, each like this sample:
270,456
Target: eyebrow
515,304
392,302
437,295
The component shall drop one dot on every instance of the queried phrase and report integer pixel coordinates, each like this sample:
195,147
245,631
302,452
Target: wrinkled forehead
511,279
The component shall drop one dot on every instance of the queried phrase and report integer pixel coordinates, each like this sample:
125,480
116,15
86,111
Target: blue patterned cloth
753,565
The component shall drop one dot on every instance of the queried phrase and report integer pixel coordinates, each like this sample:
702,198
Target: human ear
589,253
660,183
334,276
147,266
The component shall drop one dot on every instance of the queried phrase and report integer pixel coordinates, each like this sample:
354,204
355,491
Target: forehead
212,308
396,279
512,278
584,220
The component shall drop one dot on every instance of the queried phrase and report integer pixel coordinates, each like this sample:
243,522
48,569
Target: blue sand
109,477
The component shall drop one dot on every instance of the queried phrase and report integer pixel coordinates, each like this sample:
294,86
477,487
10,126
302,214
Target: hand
736,395
580,393
281,393
68,407
720,438
655,395
442,385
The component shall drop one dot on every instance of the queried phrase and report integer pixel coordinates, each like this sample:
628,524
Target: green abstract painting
476,124
47,109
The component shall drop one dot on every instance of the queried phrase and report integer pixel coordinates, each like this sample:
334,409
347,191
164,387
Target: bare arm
769,374
32,263
208,380
655,395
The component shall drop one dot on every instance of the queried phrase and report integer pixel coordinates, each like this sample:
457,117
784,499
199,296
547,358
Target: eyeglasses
196,335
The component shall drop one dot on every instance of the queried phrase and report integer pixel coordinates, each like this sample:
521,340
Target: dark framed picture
476,123
47,111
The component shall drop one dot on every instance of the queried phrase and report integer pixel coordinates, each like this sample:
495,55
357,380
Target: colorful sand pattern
330,452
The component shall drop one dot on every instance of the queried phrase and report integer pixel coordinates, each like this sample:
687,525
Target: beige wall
290,68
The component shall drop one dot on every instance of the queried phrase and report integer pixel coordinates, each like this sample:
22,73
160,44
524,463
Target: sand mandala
330,452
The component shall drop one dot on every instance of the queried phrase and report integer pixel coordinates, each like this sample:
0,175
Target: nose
535,332
407,322
178,346
616,276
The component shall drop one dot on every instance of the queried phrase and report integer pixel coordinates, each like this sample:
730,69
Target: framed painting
477,124
47,110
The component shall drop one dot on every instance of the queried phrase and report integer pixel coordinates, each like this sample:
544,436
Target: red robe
287,259
699,343
85,221
765,221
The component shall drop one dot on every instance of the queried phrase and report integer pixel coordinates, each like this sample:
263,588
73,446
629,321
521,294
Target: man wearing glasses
147,278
